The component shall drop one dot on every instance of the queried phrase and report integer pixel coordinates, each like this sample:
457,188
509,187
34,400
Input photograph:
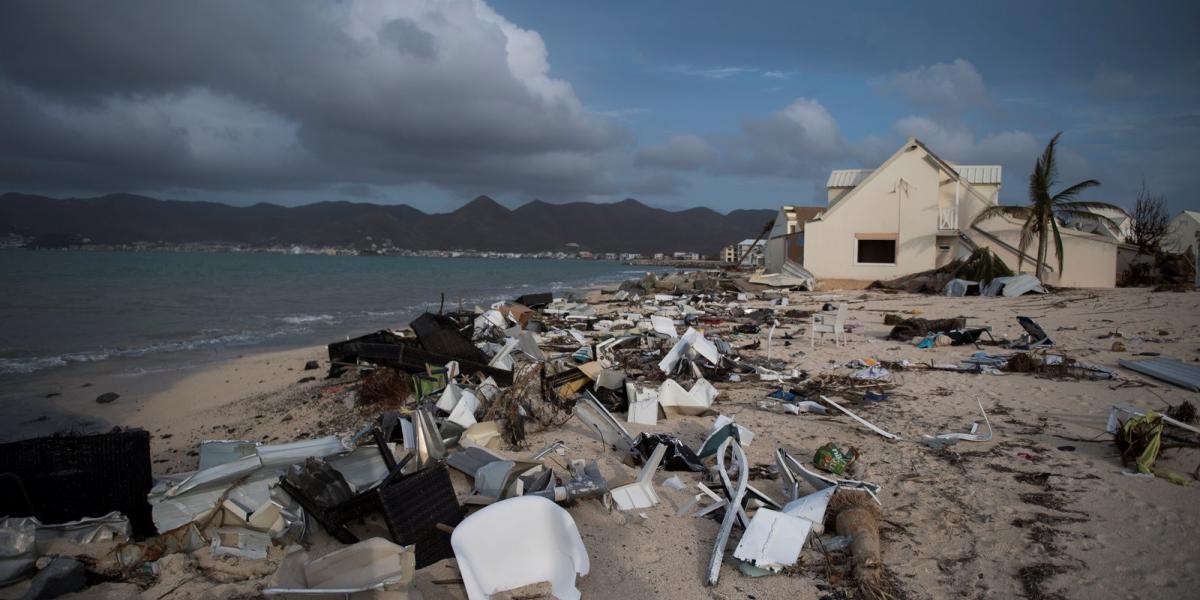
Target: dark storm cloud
290,95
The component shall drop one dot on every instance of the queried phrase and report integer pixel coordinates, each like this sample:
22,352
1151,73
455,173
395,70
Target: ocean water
149,309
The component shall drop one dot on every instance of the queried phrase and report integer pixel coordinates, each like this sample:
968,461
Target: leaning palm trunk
1041,262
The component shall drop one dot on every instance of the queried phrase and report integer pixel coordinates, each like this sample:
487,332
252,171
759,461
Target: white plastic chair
519,542
822,324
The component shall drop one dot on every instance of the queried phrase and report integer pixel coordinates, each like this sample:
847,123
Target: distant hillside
482,224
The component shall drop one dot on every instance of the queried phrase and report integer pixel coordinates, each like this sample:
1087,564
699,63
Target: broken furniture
823,323
371,569
518,542
1034,336
441,335
412,505
385,348
66,478
535,300
640,493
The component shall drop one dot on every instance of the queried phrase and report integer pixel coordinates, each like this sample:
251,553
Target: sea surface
157,310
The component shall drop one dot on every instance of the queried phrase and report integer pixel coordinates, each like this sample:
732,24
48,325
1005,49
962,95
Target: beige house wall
1090,261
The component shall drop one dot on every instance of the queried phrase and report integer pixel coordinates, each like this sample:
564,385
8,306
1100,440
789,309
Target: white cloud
709,72
679,152
948,88
296,94
800,140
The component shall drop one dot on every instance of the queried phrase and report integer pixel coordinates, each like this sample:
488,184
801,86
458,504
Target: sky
675,103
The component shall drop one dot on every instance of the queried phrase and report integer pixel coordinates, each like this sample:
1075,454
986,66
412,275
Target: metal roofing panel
1167,369
843,178
980,174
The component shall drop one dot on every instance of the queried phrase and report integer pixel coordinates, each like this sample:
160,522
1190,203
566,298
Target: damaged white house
912,214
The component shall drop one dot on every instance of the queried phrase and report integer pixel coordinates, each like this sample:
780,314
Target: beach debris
443,335
311,365
693,402
415,507
1139,438
241,542
585,481
1034,336
1184,412
833,459
862,421
640,494
908,329
733,509
600,421
961,287
61,576
811,508
541,543
643,405
691,345
1166,369
942,440
794,471
678,456
535,300
372,568
1011,287
723,428
773,540
857,517
18,548
70,477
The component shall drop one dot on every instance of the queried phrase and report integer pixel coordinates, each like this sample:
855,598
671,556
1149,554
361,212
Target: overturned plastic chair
519,542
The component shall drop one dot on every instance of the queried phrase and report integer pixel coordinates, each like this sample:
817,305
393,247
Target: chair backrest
840,319
540,543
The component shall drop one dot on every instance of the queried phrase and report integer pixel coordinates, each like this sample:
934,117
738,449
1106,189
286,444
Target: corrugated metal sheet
847,178
1167,369
975,174
980,174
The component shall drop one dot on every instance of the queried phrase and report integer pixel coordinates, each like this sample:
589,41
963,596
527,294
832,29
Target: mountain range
482,224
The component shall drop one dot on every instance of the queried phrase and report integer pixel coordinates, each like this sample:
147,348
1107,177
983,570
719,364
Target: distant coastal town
369,248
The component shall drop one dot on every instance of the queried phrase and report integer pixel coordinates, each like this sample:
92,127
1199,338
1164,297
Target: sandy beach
1044,510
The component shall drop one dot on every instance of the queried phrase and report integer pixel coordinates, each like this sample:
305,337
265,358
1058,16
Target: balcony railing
948,218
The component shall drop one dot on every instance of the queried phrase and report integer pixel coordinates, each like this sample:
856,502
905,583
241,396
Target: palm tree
1044,211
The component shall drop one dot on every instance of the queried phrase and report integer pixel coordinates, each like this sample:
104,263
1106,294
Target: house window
877,252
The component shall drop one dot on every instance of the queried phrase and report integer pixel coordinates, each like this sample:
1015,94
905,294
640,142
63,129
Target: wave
302,319
25,365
